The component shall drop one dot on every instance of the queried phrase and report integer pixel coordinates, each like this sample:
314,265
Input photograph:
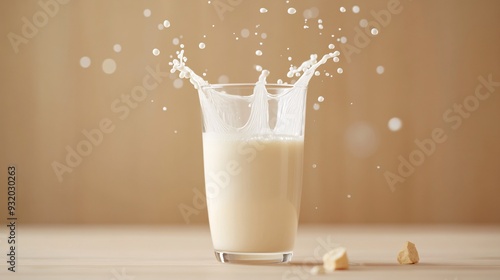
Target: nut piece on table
336,259
409,254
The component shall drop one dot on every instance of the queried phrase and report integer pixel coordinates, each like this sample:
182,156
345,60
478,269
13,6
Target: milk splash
279,114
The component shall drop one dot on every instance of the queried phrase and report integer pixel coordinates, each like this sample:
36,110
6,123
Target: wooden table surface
166,252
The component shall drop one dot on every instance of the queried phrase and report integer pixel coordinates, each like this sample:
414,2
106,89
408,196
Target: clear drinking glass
253,141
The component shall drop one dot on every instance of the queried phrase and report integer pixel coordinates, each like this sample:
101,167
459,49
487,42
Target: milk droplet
340,70
314,12
175,41
317,73
320,26
374,31
201,45
361,139
85,62
321,99
223,79
343,39
307,14
342,9
161,27
147,12
178,83
245,33
395,124
263,10
166,23
363,23
117,48
336,59
355,9
348,196
292,11
331,46
156,52
109,66
164,109
314,165
378,166
316,106
380,69
258,68
289,58
258,52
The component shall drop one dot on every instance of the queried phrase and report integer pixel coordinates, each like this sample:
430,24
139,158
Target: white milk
253,192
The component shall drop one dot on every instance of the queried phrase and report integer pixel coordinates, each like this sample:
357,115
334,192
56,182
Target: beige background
433,53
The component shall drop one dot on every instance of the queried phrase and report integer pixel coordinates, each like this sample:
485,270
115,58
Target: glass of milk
253,141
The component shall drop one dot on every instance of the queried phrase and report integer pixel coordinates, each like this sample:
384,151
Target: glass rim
235,85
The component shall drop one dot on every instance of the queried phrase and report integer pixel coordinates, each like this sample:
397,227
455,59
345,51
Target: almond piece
409,254
336,259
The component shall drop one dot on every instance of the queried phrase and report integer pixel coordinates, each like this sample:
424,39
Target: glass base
253,258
